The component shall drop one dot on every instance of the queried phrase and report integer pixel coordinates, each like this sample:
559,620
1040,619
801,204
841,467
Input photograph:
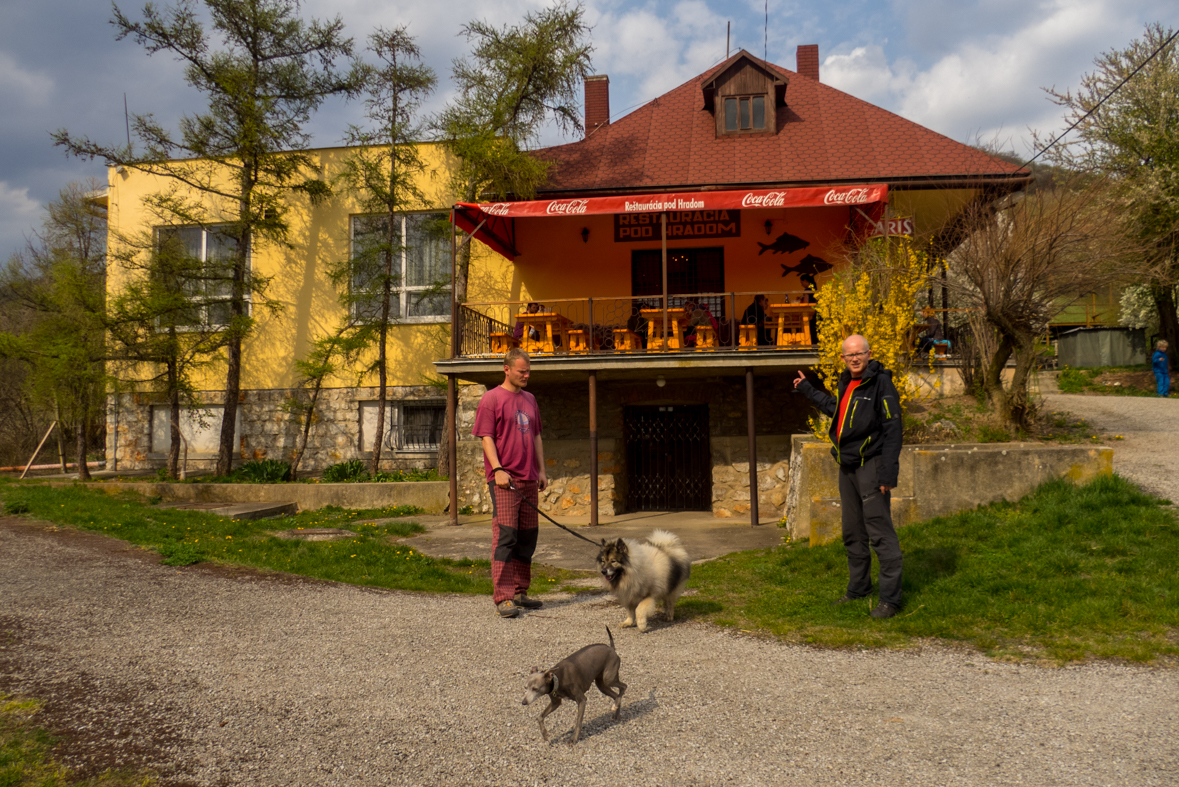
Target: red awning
495,220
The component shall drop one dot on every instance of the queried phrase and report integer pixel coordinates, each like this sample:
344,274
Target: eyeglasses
853,356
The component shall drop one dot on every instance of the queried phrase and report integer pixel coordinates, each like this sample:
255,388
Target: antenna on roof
728,31
127,120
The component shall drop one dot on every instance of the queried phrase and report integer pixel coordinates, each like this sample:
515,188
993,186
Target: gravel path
1148,454
219,676
216,676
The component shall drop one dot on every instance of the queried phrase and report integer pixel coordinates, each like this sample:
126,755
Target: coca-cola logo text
567,207
849,197
773,199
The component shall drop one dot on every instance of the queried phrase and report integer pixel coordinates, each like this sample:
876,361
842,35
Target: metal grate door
668,460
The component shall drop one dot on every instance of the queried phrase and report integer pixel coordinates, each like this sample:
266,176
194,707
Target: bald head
856,354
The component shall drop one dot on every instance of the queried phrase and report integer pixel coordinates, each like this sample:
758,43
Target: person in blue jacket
1161,366
866,432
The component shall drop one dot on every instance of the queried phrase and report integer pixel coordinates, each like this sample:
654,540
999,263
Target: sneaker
884,610
507,609
522,600
845,598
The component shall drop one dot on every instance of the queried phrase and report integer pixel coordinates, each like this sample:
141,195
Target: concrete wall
432,496
934,480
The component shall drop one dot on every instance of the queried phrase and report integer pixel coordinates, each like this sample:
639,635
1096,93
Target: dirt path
218,677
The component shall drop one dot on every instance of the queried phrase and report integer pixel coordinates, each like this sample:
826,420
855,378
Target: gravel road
219,676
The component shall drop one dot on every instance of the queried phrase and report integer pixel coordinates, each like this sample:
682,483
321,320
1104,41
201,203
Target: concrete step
240,510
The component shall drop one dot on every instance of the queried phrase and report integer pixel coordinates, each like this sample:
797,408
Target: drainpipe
452,445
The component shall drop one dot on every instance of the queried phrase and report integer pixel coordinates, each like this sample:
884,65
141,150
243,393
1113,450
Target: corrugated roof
824,135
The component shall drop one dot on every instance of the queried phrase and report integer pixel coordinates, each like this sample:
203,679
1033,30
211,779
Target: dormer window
744,96
745,113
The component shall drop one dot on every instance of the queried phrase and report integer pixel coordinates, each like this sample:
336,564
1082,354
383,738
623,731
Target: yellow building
301,305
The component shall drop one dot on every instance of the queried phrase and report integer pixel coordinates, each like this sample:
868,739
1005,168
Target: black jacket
872,425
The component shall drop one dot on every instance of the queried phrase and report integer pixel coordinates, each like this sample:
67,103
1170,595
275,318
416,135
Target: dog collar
556,682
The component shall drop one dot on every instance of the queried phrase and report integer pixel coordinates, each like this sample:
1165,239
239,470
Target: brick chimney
597,102
808,61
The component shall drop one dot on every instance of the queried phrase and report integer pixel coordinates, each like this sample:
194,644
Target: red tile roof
824,136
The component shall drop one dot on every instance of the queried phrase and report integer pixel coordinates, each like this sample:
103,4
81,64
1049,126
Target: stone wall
268,428
935,480
564,413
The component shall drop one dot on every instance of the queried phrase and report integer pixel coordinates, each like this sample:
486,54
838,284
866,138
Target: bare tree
1023,262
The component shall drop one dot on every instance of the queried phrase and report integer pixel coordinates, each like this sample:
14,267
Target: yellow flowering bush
876,297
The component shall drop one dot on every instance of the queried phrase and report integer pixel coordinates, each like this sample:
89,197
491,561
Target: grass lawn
1068,573
26,760
372,558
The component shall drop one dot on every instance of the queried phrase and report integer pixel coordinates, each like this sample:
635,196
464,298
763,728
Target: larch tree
517,81
59,282
262,71
385,171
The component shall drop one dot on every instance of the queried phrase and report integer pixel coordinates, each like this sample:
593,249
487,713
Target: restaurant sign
681,225
899,225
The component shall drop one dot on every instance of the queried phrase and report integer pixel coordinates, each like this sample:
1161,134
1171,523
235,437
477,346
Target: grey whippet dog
570,678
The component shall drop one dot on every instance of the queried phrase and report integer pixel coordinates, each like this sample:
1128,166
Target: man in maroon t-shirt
508,423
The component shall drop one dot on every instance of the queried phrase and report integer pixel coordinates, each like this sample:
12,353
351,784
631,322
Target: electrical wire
1107,96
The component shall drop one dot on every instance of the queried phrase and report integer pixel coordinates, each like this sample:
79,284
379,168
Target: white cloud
19,215
19,85
990,86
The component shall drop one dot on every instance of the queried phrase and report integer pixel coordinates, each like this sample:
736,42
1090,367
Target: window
420,272
745,113
199,263
410,427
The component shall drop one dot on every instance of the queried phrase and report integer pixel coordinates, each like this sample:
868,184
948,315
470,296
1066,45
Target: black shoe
845,598
528,603
884,610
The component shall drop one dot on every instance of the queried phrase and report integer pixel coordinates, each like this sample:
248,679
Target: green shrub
264,471
993,434
344,472
1072,380
181,554
16,506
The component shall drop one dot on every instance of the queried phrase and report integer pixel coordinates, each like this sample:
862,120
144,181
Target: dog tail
611,636
662,538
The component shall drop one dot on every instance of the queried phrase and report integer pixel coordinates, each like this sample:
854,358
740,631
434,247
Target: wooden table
676,320
550,326
794,323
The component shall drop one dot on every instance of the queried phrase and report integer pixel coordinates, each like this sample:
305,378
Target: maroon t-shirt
512,420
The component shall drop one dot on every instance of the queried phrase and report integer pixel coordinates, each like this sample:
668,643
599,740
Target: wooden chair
706,337
577,342
748,337
626,340
502,342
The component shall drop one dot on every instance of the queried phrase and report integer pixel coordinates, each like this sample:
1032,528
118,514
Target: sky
974,71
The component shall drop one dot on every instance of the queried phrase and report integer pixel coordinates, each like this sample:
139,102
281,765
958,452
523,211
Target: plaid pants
513,539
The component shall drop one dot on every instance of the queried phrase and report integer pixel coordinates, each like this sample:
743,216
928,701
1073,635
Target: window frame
743,110
404,289
206,324
394,426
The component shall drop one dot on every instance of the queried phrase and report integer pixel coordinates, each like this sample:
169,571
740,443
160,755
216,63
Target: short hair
1162,345
515,354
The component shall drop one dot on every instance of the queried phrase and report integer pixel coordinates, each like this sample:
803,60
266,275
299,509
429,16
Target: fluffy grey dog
642,573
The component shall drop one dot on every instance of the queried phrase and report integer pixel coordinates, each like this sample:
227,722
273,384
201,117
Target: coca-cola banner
469,215
681,224
696,200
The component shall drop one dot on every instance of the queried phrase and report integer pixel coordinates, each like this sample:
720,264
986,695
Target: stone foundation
269,427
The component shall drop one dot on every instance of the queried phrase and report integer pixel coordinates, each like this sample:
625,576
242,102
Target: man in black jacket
866,434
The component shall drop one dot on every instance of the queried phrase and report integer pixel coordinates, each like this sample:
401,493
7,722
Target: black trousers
867,523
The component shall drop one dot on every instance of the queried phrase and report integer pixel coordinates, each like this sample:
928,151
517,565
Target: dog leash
512,486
